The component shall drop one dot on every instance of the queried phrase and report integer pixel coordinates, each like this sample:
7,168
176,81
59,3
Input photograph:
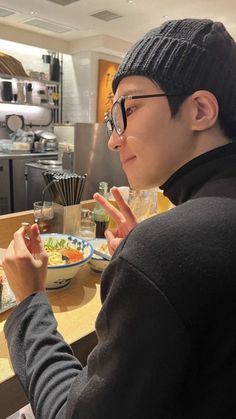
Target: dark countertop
12,155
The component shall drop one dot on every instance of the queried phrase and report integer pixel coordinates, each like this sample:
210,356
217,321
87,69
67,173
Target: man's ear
205,110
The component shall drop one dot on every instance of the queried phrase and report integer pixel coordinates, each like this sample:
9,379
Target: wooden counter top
75,308
9,223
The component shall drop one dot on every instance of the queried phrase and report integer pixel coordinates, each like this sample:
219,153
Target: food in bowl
103,247
97,263
63,251
66,255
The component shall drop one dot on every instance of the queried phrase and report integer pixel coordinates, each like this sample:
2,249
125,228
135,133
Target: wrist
21,297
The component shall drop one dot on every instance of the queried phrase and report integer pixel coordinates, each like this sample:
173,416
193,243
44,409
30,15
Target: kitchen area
14,194
40,125
50,122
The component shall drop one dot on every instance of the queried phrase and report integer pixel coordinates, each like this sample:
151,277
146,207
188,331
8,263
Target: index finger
123,206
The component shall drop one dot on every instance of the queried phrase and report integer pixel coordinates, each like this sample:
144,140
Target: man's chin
139,184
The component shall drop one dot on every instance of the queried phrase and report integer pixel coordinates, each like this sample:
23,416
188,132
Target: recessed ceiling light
34,12
130,1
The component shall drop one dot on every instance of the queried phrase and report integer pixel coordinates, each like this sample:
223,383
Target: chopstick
65,188
101,254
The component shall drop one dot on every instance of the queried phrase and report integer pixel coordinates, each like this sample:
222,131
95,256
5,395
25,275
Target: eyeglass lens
109,125
117,117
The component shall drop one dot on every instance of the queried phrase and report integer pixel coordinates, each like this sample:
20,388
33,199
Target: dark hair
226,127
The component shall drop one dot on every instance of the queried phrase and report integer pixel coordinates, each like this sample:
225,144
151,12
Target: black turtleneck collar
204,176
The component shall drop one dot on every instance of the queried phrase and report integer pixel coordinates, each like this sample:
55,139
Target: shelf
40,105
29,79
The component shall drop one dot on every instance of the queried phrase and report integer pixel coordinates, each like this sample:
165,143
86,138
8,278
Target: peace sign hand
124,218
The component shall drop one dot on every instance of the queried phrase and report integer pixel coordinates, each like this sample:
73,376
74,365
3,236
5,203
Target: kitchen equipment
92,156
51,163
20,92
55,69
45,141
5,189
14,122
35,181
6,91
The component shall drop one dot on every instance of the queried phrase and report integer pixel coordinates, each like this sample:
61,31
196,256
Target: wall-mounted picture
106,72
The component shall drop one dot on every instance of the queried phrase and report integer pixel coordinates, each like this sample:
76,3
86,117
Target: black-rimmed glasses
118,117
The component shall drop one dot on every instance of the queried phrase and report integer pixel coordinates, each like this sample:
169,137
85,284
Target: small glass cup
143,203
87,227
43,213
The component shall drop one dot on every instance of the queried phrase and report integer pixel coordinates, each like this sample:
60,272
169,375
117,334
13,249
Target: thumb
112,241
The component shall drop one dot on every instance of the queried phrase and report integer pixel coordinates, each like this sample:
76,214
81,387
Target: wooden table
75,309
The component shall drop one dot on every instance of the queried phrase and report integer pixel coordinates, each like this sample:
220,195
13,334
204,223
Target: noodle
64,252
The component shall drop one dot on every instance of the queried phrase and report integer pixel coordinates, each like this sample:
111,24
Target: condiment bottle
20,92
101,218
28,93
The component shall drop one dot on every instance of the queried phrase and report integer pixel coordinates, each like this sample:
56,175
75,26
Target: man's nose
115,141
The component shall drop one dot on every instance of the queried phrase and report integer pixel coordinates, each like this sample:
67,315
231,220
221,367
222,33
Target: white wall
80,77
80,83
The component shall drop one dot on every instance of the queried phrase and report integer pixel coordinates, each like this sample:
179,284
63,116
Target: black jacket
166,331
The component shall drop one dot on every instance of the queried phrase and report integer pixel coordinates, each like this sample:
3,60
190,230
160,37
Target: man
166,330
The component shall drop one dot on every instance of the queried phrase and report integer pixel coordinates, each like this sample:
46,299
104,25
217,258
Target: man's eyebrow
135,92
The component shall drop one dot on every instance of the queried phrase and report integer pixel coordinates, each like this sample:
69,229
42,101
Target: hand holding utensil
26,266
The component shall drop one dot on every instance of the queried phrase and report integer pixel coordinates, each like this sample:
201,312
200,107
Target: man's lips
127,160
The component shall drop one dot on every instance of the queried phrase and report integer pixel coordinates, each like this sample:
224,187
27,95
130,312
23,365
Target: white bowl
96,263
59,276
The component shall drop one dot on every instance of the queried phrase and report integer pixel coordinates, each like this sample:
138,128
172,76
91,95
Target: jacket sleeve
139,364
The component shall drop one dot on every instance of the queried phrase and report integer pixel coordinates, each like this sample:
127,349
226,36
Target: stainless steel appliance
91,156
45,141
35,180
5,189
20,180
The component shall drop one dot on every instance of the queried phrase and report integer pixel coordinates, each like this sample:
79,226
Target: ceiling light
130,1
47,25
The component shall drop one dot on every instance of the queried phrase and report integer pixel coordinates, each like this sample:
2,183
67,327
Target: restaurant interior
57,61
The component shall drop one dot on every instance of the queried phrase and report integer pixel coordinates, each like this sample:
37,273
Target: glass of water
87,227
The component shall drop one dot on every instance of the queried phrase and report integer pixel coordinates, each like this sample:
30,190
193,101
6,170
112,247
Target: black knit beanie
183,56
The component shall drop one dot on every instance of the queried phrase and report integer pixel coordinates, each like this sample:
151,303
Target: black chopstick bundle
66,188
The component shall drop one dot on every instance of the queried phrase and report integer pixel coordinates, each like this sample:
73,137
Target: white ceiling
137,17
